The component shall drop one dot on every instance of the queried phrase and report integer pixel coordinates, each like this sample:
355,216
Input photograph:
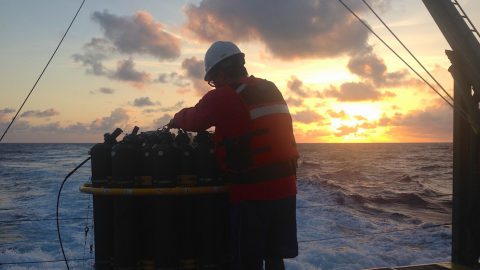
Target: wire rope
407,49
86,230
43,71
394,52
58,204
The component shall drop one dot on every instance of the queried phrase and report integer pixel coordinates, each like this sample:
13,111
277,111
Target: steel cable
406,48
394,52
43,71
86,230
58,204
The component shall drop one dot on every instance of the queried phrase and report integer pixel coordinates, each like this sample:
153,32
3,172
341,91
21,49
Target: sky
127,63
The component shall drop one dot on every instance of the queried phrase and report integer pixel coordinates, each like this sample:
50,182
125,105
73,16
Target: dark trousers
263,231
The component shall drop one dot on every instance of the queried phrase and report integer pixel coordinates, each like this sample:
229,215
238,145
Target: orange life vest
266,149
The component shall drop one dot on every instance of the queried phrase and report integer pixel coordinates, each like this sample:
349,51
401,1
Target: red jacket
254,140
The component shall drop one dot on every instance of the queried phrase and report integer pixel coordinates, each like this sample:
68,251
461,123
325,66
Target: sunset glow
125,64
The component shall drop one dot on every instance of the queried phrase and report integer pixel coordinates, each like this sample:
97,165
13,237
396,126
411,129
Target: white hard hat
218,51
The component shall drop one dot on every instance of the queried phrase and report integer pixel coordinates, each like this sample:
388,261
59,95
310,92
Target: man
256,149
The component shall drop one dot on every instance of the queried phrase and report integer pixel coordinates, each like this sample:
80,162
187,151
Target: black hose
58,203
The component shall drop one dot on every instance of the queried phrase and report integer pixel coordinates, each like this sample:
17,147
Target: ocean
358,206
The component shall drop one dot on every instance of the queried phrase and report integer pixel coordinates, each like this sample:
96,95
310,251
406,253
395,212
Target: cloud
40,114
359,118
194,71
301,28
433,123
174,108
340,114
23,131
143,102
346,130
172,77
7,111
368,125
177,106
50,128
96,51
4,116
163,120
139,34
307,116
371,67
194,68
106,90
311,135
297,87
126,72
295,102
103,90
118,117
314,133
93,63
356,91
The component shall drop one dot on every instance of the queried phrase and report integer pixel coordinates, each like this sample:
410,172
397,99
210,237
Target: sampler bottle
126,157
164,160
147,140
186,160
206,167
101,165
125,167
101,161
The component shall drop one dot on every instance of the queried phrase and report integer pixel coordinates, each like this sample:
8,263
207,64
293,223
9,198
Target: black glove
171,124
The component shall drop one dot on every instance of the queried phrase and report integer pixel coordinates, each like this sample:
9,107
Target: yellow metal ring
108,191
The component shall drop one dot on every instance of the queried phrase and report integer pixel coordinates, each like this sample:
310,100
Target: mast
465,69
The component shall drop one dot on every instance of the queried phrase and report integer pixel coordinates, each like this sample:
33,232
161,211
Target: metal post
466,177
465,70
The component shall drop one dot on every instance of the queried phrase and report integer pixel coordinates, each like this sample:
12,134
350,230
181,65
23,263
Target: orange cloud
138,34
308,116
340,114
300,29
356,91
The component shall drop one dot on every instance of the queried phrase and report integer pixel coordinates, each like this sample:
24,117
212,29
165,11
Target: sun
367,111
359,123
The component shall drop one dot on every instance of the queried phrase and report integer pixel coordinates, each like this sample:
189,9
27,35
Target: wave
308,163
406,178
346,176
411,199
380,201
342,189
431,168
